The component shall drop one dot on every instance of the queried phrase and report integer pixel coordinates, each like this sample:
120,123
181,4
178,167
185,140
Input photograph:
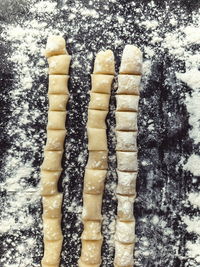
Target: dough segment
127,98
51,168
97,164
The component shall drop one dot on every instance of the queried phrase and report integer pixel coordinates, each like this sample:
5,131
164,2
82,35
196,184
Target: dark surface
161,185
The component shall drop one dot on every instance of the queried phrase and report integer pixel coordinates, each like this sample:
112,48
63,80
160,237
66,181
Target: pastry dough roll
97,139
55,139
94,181
52,228
55,46
126,121
52,250
129,84
59,64
96,118
127,102
104,63
83,264
126,141
52,205
91,251
92,207
58,84
123,255
58,102
126,183
97,160
127,161
49,181
56,120
125,208
52,161
131,62
99,101
101,83
92,230
125,232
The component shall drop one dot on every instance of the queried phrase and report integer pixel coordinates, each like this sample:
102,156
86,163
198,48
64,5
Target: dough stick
96,168
126,149
51,168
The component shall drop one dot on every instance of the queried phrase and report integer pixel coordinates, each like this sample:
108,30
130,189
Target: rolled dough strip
52,250
96,119
56,120
127,102
126,141
92,230
131,62
97,160
58,84
101,83
126,183
59,64
49,181
128,84
52,160
83,264
126,121
56,45
58,102
127,161
99,101
104,63
125,208
125,232
55,139
91,251
94,181
92,207
97,139
123,254
51,228
52,205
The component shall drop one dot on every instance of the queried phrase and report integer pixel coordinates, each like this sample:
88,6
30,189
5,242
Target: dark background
162,184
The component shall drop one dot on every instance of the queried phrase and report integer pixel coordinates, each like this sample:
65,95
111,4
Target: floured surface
167,213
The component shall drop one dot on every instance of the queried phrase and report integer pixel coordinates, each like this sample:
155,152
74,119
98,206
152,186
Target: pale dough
52,250
94,181
56,120
58,84
83,264
126,121
96,118
99,101
52,160
97,139
127,161
97,160
104,63
125,232
59,64
101,83
91,251
126,141
56,45
131,61
55,139
92,230
58,102
123,255
127,102
49,181
92,207
129,84
125,208
51,228
52,205
126,183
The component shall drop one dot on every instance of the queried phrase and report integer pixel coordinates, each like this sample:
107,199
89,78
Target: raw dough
101,83
52,205
58,84
59,64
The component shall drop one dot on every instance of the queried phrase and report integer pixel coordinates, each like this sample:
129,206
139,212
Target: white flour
27,41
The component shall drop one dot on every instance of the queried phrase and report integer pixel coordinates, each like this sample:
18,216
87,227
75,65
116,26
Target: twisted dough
51,167
126,149
96,168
